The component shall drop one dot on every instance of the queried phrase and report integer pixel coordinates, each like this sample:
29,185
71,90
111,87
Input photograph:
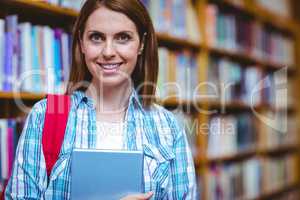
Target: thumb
147,195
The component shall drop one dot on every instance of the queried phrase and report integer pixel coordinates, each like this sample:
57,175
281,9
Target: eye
96,37
123,37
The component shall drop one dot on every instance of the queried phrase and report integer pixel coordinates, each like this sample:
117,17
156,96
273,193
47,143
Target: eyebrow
125,31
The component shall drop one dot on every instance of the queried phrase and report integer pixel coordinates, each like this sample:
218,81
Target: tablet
105,174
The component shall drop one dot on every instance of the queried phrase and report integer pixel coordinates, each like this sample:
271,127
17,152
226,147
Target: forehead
109,21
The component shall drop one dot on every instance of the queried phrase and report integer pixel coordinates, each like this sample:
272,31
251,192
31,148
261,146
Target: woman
112,87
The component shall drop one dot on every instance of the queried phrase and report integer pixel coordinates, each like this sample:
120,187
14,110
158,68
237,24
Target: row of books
166,18
72,4
231,32
227,81
229,134
278,129
234,181
279,171
178,74
33,56
230,81
251,178
8,141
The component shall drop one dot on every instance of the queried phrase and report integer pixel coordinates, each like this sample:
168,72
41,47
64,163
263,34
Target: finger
145,196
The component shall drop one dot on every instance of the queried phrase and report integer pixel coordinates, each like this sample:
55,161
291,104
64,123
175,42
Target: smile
109,66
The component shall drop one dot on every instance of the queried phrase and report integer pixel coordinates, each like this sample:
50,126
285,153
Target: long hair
145,74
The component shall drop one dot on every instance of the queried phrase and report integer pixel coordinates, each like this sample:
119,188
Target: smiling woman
123,35
112,86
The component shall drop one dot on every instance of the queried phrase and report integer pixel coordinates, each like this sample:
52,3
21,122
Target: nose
108,50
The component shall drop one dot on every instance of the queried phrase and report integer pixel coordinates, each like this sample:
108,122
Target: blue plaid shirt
168,164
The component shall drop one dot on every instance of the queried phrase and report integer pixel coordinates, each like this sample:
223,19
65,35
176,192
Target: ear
142,44
141,49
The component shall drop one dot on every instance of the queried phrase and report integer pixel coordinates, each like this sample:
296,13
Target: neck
111,102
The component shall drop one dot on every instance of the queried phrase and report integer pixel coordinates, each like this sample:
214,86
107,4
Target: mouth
110,66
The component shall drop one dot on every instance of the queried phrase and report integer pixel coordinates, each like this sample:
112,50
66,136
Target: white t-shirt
110,135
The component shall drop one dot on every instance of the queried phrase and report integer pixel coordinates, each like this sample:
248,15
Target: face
110,45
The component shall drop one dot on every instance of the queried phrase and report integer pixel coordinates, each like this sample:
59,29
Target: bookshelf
202,52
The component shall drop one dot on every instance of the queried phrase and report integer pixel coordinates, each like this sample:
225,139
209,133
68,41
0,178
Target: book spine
2,50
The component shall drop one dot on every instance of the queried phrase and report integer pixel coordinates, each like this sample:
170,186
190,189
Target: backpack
56,117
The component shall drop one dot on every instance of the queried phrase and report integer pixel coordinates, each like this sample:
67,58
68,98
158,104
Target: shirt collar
81,97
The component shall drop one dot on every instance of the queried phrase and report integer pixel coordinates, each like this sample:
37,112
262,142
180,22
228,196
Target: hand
144,196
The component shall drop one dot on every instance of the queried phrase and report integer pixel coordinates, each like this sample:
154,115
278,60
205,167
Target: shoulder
38,110
39,107
36,116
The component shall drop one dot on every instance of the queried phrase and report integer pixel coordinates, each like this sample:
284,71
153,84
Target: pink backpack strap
56,117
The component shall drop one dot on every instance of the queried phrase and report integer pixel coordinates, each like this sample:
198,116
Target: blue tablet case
105,174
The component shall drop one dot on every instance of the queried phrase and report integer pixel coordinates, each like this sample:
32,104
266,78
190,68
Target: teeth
110,66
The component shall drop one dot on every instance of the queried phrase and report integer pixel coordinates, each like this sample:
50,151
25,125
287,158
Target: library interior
228,71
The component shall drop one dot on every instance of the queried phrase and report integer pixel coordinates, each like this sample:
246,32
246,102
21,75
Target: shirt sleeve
182,167
29,178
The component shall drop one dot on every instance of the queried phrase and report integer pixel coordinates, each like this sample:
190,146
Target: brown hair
145,73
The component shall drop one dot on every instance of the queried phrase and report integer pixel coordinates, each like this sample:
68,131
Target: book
99,174
2,50
9,54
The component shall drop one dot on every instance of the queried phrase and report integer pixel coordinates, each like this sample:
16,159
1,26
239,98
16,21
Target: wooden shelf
279,22
237,105
172,102
23,95
213,104
247,59
242,155
168,40
280,149
42,7
276,193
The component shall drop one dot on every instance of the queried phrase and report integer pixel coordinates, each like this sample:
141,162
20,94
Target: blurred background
228,71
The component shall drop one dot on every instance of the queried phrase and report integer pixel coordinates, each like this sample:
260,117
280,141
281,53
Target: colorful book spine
8,142
2,50
36,76
4,147
57,59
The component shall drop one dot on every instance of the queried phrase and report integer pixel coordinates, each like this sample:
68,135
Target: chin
113,81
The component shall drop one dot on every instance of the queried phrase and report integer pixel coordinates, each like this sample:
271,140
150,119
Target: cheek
129,53
90,52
